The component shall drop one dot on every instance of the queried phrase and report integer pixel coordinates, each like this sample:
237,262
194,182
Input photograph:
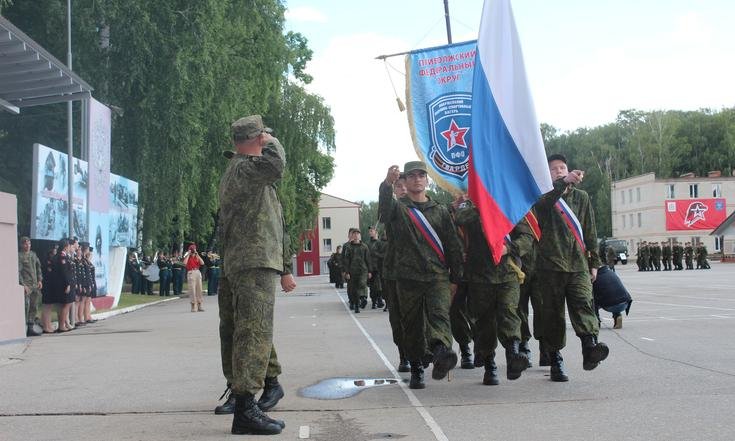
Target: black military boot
374,305
515,362
525,349
228,406
363,302
250,420
272,393
491,371
557,367
403,365
381,303
466,357
417,375
31,331
357,307
444,361
593,352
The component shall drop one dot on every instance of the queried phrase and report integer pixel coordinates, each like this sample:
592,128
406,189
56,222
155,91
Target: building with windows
336,216
687,208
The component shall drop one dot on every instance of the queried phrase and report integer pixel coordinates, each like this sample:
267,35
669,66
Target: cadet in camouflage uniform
31,277
494,293
255,252
655,256
688,255
358,268
702,262
530,292
566,270
677,252
389,288
666,255
427,270
377,254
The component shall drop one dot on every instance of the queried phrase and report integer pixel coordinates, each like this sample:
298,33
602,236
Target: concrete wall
12,302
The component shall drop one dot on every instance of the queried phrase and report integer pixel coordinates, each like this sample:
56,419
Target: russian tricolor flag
508,168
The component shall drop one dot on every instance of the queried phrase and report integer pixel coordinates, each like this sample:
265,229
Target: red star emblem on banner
455,136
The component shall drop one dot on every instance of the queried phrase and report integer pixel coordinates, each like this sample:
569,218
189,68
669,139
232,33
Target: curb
114,312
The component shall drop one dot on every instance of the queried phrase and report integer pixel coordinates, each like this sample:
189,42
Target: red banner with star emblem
694,214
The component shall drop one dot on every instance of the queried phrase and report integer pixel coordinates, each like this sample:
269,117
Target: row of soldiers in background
360,264
651,256
169,272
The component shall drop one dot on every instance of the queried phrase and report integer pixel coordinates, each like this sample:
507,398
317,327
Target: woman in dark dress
47,290
61,276
336,268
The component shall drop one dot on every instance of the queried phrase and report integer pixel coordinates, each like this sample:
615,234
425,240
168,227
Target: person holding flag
567,264
427,269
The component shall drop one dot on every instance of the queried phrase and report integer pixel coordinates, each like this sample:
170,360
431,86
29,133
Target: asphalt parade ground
154,374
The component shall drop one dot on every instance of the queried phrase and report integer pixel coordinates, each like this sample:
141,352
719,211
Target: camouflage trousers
530,292
246,329
425,315
377,285
494,309
357,286
31,302
459,320
394,313
574,288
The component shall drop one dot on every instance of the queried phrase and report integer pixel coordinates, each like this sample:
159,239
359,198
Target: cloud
305,14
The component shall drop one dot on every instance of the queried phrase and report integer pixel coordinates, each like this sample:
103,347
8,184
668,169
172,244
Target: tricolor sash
427,231
572,222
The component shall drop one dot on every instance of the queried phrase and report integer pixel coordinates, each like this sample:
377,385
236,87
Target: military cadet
656,256
645,254
702,262
429,267
688,255
178,272
610,258
350,235
76,265
91,292
136,283
255,252
529,292
494,293
31,277
358,270
213,273
677,252
377,254
146,283
336,268
567,265
165,274
389,289
666,255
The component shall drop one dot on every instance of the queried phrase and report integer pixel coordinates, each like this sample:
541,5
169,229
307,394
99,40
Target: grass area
127,299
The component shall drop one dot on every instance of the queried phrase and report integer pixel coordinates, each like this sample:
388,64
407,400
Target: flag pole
446,19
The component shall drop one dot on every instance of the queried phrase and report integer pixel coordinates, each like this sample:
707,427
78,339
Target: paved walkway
154,374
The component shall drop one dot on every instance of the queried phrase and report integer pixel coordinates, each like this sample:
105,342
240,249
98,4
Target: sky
585,61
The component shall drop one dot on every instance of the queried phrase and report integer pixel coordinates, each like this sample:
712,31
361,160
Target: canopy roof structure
30,76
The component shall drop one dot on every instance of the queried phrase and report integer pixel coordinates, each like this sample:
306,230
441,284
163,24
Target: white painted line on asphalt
685,306
303,432
720,316
428,419
647,339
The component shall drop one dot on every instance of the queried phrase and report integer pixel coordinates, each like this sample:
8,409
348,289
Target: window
639,220
670,191
326,223
623,216
630,219
327,245
638,194
622,196
716,190
693,190
718,243
630,195
307,245
308,267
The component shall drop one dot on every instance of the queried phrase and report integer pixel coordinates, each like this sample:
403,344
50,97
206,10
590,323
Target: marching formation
652,256
435,271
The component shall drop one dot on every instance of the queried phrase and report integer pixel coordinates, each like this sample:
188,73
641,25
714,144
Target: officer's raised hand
393,174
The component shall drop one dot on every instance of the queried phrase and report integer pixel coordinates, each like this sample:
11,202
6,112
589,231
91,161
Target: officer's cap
248,127
24,239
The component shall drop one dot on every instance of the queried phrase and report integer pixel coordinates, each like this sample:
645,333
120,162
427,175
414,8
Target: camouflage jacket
666,252
357,258
377,253
415,259
558,249
388,273
677,251
29,269
480,266
656,252
251,226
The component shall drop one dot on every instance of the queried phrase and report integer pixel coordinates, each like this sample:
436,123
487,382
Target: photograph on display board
123,216
98,239
50,190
